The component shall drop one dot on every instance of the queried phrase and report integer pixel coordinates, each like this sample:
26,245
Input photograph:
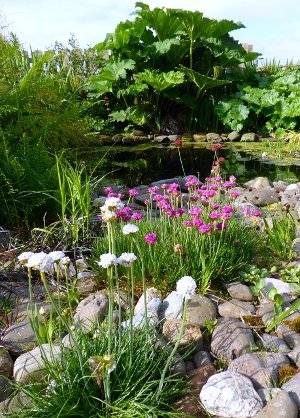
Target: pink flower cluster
127,214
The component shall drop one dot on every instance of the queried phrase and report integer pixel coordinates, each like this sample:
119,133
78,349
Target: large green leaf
203,82
160,81
233,113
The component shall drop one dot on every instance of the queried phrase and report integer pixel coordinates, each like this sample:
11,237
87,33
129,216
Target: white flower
127,259
65,261
107,260
57,255
41,261
130,229
42,311
186,286
108,215
112,203
24,257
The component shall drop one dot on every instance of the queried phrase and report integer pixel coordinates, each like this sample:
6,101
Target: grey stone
231,395
19,337
151,293
6,363
258,183
280,286
213,137
294,355
191,335
291,337
280,185
91,310
14,404
202,358
260,197
122,299
280,406
274,343
240,291
236,308
86,283
6,388
296,246
231,338
292,386
234,136
31,366
249,137
262,368
4,237
200,309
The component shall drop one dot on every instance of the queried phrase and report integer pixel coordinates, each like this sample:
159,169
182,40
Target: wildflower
228,184
134,192
235,193
113,203
124,213
221,160
178,142
56,255
126,259
186,286
178,248
173,188
216,147
197,222
108,190
192,181
195,211
108,216
129,229
65,261
232,179
153,189
220,226
107,260
41,261
187,224
150,238
227,209
42,311
137,216
214,214
205,228
24,257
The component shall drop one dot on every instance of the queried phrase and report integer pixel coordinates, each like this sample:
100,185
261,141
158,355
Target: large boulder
31,367
280,406
213,137
262,368
258,183
231,338
151,293
19,337
259,197
292,386
249,137
233,136
91,311
187,334
229,394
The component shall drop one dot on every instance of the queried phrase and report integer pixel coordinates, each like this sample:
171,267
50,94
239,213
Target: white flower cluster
108,210
129,229
41,262
109,260
47,263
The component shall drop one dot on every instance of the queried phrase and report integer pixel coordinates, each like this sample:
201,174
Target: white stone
229,394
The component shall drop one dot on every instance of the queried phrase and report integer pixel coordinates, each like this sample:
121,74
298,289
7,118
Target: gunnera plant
75,385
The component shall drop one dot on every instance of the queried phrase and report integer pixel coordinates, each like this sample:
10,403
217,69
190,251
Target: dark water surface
146,163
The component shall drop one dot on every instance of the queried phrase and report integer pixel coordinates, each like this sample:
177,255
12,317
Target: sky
272,26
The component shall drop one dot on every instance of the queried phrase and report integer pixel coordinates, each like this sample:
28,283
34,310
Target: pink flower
150,238
251,211
178,142
232,179
108,190
195,211
133,192
214,215
197,222
205,228
228,184
215,206
137,216
187,224
124,213
173,188
192,181
153,189
235,193
227,209
221,226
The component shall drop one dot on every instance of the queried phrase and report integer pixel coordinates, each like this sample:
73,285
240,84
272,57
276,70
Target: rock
258,183
234,136
296,246
293,388
200,309
262,368
280,185
68,341
280,406
99,201
6,388
274,343
171,307
14,404
178,366
230,394
4,237
178,180
161,139
191,333
213,137
280,286
249,137
231,338
291,337
202,358
189,405
240,291
122,299
19,337
23,311
86,283
151,293
294,355
266,394
91,310
260,197
236,308
290,197
31,366
199,137
6,363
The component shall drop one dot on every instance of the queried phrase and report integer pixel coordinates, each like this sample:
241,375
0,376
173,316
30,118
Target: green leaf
160,81
233,113
162,47
203,82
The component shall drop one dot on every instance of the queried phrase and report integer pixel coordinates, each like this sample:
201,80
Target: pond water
143,164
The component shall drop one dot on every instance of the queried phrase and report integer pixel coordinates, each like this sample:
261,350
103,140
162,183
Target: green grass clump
280,236
133,383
